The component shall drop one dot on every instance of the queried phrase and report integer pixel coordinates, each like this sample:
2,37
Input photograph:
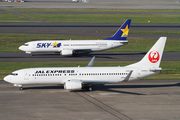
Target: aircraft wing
128,76
82,50
96,82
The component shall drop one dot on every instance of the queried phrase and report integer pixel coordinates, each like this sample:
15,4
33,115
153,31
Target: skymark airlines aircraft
70,47
75,78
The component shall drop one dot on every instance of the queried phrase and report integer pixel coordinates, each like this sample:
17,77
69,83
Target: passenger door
26,75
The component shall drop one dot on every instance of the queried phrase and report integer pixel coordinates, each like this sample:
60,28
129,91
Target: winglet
91,62
128,76
122,32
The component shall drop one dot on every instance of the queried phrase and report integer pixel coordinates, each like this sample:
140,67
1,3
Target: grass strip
93,18
164,16
163,77
156,32
8,67
8,17
107,18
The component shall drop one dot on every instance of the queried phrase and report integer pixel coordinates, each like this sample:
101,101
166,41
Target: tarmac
95,4
85,29
83,57
134,100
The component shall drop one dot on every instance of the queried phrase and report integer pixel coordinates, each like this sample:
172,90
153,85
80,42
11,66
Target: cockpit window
14,74
26,44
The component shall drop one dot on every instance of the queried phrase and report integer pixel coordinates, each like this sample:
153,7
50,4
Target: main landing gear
89,88
21,88
76,54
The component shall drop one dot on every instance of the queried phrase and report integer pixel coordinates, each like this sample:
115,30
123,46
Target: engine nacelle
66,52
73,85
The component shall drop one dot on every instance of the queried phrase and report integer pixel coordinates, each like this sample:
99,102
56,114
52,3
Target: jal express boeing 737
75,78
70,47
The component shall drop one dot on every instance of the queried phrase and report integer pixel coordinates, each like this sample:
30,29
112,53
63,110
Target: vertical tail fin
122,32
153,57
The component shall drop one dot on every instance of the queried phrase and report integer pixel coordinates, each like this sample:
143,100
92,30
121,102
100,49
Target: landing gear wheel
76,54
21,88
90,89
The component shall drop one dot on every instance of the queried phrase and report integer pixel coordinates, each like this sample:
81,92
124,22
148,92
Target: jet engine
73,85
66,52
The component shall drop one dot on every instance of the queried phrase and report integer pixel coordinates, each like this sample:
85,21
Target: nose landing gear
20,86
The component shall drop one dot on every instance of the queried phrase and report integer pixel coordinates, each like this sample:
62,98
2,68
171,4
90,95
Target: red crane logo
153,56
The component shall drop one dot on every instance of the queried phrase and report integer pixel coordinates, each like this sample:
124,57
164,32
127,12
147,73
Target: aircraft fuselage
67,47
56,75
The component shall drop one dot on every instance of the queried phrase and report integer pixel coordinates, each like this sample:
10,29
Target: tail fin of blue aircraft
122,32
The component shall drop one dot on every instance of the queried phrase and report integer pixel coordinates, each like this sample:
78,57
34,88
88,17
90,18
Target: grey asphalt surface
96,4
100,56
85,29
135,100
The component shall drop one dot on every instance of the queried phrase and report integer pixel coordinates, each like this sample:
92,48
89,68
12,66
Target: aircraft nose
7,78
21,48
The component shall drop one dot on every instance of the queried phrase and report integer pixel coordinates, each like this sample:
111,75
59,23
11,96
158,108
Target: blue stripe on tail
122,32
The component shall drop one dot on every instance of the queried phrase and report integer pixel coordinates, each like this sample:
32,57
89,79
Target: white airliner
75,78
73,47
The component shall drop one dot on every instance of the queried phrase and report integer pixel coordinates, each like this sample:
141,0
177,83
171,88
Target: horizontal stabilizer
154,70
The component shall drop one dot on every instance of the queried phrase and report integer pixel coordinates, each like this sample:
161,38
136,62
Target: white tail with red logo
153,57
